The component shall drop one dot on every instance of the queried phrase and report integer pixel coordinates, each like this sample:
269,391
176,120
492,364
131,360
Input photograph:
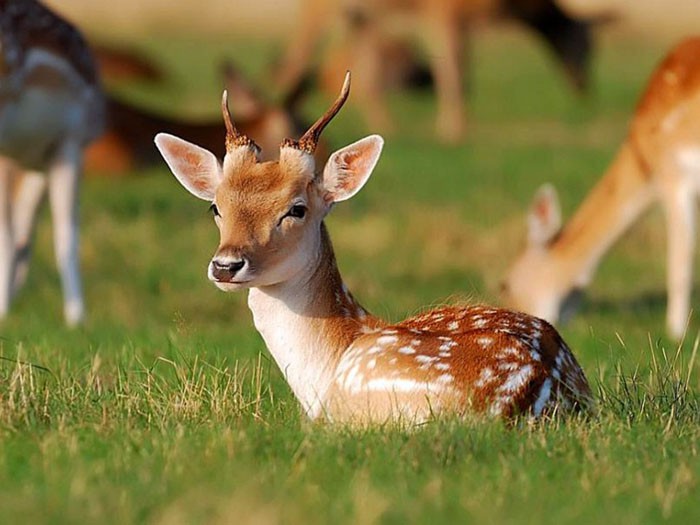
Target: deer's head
537,282
269,214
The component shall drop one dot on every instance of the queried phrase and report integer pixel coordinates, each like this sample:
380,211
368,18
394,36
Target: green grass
165,407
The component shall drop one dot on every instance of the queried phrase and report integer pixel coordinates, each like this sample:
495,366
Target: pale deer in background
658,162
51,106
127,142
341,362
440,28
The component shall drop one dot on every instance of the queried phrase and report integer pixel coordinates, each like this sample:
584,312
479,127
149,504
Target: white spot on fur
445,378
387,340
350,378
508,351
407,350
442,366
485,377
372,363
454,325
508,366
542,397
425,358
517,380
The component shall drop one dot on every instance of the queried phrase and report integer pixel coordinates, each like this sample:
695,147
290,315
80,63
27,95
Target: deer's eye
214,210
298,211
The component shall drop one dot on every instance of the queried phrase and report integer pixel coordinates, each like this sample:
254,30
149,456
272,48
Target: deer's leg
63,195
6,245
679,207
315,17
26,204
444,40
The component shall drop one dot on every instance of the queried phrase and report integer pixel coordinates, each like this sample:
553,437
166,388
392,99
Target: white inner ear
544,219
348,169
197,169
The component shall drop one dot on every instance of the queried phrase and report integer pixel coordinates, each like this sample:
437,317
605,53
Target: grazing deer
126,143
658,161
51,106
340,361
440,27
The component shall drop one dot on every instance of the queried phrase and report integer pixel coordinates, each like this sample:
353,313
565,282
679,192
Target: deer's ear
544,218
197,169
348,169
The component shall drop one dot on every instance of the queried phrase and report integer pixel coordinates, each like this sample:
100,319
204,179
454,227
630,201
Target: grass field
165,408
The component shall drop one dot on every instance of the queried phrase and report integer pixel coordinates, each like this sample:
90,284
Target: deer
440,27
126,144
342,363
658,162
117,64
51,106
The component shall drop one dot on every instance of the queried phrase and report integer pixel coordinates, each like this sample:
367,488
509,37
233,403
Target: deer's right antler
309,140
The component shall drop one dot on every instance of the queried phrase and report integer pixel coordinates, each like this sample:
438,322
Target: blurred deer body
658,162
341,362
50,107
127,143
440,28
125,65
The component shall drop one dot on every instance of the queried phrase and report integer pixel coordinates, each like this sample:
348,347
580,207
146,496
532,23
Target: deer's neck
307,323
612,206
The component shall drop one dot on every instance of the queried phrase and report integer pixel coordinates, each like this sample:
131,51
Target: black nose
225,270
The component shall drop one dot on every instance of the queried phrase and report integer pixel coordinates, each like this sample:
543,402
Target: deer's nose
225,269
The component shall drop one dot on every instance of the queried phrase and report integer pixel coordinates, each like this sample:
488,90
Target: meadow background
165,408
